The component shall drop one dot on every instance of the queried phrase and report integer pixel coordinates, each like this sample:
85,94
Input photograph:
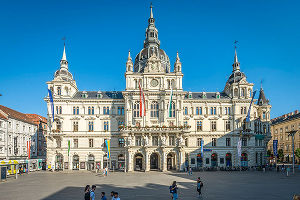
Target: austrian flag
142,102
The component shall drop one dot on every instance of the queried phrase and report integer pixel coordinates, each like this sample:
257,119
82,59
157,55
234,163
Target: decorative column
147,160
130,162
164,160
181,159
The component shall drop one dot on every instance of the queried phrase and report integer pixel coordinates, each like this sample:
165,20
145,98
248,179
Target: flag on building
69,147
142,101
239,147
275,144
202,144
248,114
170,102
51,102
107,142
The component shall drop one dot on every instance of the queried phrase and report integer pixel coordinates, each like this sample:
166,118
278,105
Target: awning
260,137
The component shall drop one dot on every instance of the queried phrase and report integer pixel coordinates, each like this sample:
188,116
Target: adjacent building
154,124
280,128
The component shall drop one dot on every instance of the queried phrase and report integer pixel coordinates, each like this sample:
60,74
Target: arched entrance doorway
91,163
75,162
59,162
228,160
171,161
214,160
244,160
154,161
138,162
199,161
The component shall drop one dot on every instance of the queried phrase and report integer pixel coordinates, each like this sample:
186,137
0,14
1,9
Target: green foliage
280,154
297,152
269,153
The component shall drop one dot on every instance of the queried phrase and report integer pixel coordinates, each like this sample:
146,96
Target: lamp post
292,134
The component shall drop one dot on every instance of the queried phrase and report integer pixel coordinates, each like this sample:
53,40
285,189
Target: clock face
154,82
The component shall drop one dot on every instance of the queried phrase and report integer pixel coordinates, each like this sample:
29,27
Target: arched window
93,110
74,110
236,92
89,110
249,92
172,110
77,109
136,109
244,125
173,83
264,129
58,90
264,115
58,125
243,92
154,109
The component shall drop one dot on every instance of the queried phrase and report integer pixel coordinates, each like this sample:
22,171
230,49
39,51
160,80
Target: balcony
154,129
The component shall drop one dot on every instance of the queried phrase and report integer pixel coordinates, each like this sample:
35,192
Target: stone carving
163,140
146,141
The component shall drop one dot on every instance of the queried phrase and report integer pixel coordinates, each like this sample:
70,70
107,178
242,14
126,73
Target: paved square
152,185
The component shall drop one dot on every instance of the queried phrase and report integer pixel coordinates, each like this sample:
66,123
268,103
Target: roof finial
151,13
177,57
235,54
129,57
64,57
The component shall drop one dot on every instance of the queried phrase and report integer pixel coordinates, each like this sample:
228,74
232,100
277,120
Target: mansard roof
95,95
209,95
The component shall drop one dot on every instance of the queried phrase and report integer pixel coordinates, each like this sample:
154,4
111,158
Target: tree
280,155
297,152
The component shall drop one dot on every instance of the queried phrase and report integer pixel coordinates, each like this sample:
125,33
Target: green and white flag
68,147
170,102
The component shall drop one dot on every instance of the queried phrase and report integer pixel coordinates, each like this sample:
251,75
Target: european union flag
51,101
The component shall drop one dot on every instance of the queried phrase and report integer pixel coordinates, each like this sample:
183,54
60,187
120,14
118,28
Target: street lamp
292,134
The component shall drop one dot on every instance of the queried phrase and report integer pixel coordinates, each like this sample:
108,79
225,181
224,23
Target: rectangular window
198,110
199,125
207,160
213,126
186,111
171,140
106,124
213,110
214,142
91,143
138,141
91,126
221,160
228,128
75,126
228,142
121,142
244,142
75,141
154,140
199,142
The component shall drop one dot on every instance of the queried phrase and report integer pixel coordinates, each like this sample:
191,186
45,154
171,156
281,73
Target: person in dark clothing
199,186
173,190
103,197
87,192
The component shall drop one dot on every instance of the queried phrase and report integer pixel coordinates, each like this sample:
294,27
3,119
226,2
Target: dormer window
84,95
204,95
99,95
218,95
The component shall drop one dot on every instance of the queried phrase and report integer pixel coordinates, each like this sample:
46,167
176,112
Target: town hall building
154,124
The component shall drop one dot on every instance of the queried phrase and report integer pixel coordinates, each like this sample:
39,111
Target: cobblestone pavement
152,185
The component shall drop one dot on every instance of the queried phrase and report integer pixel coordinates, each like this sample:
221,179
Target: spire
63,61
177,65
151,32
64,57
129,63
151,13
236,64
262,98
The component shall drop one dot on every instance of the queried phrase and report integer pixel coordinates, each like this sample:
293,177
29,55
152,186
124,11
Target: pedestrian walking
190,171
87,192
116,196
103,197
92,192
199,187
112,195
288,171
173,190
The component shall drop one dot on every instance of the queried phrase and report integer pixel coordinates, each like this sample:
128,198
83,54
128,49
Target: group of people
173,189
89,194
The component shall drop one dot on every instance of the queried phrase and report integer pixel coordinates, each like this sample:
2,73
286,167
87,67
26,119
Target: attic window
218,95
99,95
204,95
84,95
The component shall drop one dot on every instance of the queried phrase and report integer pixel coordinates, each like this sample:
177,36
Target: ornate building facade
173,130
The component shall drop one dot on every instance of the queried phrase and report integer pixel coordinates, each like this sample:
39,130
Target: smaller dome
236,77
64,74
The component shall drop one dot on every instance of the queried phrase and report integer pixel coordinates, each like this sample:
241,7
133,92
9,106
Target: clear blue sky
100,33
